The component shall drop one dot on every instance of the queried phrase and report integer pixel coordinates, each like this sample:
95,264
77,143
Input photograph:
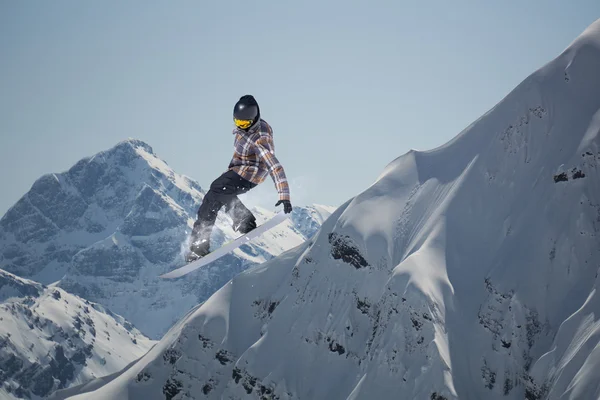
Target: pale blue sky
347,85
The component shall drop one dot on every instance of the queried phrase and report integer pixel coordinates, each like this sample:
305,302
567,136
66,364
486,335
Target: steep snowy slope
110,225
469,271
50,339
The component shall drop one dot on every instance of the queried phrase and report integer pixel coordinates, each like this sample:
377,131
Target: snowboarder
253,158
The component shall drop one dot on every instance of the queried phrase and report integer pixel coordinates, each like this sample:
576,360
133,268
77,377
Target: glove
287,206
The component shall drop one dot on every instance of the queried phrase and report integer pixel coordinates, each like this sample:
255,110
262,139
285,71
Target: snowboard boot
246,225
198,250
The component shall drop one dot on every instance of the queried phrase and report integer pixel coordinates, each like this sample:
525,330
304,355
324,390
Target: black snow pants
223,192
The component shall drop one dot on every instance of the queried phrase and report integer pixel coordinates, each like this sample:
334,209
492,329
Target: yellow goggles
243,123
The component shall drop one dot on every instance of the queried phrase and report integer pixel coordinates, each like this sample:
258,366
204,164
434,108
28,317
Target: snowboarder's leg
243,219
207,215
223,191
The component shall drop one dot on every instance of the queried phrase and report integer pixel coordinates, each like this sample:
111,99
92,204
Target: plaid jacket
254,157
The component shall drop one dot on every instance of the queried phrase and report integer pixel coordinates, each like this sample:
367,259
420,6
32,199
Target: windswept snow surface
465,272
50,339
110,225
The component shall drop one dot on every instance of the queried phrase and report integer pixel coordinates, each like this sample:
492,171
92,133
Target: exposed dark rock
20,392
247,386
63,369
206,389
251,383
171,355
562,177
532,390
489,376
336,348
416,323
236,375
10,366
172,388
143,376
77,322
128,326
79,357
88,321
508,385
343,248
578,174
42,379
223,356
205,342
363,306
532,327
272,306
43,382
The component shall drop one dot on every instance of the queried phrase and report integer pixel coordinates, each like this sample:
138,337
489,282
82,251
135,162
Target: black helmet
246,112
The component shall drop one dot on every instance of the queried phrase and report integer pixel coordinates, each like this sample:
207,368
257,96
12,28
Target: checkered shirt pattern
254,157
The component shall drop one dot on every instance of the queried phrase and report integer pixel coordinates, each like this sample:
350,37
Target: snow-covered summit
64,213
50,339
110,225
589,37
466,272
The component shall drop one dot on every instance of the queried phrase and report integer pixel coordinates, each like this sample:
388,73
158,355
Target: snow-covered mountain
109,226
50,339
466,272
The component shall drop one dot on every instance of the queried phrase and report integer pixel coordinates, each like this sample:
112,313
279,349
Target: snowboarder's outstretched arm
266,151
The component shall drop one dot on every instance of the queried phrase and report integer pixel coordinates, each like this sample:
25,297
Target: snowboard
226,248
